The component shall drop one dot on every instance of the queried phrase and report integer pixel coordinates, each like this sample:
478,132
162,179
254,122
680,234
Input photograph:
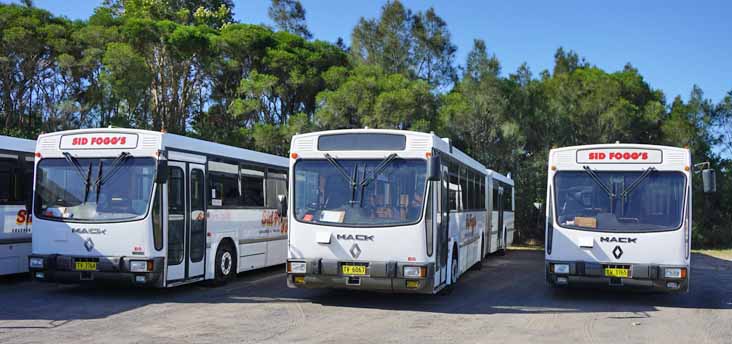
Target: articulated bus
390,210
619,215
153,209
16,183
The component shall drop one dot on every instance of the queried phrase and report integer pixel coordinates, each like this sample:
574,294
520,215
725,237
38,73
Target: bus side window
453,192
252,187
223,184
507,198
276,185
8,178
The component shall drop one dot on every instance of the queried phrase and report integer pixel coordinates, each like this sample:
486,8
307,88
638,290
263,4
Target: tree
261,80
289,15
479,63
368,96
415,45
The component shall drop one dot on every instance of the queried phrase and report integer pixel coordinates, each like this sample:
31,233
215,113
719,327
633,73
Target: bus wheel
225,264
454,268
453,275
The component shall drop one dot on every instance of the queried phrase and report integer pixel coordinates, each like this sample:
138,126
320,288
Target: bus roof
500,177
17,144
619,145
415,141
159,140
614,155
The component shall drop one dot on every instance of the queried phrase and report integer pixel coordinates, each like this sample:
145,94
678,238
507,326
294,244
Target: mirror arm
699,167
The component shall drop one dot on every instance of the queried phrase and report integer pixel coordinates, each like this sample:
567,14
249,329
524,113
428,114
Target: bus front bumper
63,269
380,276
642,276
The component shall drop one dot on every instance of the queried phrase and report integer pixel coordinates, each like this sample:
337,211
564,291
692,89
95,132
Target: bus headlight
138,266
561,268
415,271
35,263
675,273
296,267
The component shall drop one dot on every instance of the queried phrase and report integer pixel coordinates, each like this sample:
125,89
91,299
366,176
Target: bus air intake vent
150,141
676,158
564,158
420,143
47,143
303,145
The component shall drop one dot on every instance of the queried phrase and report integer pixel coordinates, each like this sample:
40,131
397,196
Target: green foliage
367,96
399,41
289,15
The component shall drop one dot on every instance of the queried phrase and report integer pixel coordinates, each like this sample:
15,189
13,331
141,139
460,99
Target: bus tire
453,274
225,264
454,267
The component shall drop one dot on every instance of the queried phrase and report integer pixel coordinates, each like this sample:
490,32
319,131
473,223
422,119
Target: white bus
387,210
153,209
16,183
619,215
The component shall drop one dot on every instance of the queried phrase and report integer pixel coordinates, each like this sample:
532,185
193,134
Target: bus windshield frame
368,196
133,197
606,210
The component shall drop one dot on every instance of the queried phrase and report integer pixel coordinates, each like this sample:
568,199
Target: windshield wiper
349,179
99,177
598,181
116,166
624,195
375,173
79,170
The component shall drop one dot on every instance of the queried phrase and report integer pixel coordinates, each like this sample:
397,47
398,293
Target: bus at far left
16,184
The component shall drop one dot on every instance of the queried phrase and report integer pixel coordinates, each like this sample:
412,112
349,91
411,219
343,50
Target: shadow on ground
513,284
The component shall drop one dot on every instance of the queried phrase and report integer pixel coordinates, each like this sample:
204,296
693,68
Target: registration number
353,269
86,266
617,272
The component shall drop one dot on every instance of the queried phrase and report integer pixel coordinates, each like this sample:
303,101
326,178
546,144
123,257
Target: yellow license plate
86,266
617,272
353,269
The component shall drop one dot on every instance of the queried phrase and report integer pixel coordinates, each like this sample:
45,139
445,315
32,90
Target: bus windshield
371,192
643,201
94,190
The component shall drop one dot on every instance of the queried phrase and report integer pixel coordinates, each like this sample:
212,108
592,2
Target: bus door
501,234
186,221
442,227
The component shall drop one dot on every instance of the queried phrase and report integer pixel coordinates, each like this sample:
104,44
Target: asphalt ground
505,302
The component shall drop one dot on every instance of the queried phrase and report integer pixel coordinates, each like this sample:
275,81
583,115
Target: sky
674,44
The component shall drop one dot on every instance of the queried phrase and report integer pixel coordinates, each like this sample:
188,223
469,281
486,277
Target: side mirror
282,205
434,164
161,173
709,179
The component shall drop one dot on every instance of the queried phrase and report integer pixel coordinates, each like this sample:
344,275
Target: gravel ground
506,301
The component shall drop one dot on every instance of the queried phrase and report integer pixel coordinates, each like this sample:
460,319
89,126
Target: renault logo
355,251
617,252
89,244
